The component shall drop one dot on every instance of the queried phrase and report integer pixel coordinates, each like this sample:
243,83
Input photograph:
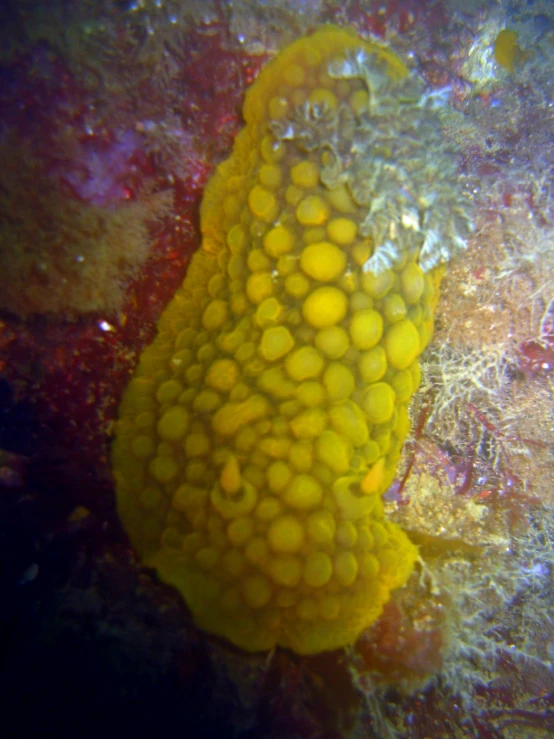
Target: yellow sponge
266,419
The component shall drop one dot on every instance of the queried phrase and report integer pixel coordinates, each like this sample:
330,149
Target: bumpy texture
267,418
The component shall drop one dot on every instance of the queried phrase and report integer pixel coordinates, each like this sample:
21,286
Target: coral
249,463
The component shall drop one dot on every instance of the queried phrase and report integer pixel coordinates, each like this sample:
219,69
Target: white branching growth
459,378
501,610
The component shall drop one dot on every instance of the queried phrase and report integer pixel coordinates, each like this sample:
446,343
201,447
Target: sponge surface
267,418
